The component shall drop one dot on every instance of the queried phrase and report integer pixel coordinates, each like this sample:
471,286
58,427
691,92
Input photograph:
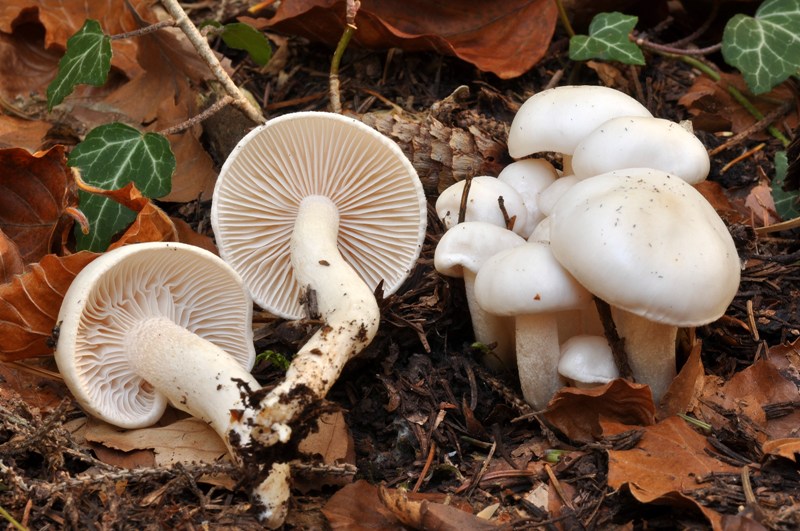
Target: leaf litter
418,413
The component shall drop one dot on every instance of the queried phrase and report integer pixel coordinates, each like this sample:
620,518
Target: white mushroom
149,324
529,177
527,282
550,195
461,252
557,119
652,247
587,361
485,197
316,204
639,142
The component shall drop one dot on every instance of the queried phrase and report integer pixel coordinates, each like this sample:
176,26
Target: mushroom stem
195,375
651,350
349,311
489,328
537,357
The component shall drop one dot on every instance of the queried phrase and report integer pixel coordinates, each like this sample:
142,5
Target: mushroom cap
468,245
381,204
557,119
529,177
649,243
525,280
550,195
587,359
639,141
186,284
482,203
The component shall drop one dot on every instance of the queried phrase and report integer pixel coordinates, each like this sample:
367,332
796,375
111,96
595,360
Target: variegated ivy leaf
765,48
608,40
86,61
110,157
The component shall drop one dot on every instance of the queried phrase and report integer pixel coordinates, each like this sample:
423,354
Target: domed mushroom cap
587,360
187,285
639,142
649,243
381,204
483,203
557,119
527,279
468,245
529,177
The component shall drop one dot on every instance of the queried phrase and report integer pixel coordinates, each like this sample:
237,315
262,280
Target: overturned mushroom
149,324
316,202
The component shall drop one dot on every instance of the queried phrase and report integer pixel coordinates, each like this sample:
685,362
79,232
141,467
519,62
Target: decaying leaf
578,413
685,388
11,262
29,305
34,192
425,514
788,448
505,38
668,461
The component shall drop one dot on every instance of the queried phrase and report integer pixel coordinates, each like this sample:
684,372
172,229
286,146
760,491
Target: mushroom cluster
620,221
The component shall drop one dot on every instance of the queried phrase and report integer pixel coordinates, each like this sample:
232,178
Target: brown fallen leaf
11,262
578,413
685,388
29,305
788,448
186,440
761,204
331,444
425,514
505,38
38,392
356,507
667,462
35,190
21,133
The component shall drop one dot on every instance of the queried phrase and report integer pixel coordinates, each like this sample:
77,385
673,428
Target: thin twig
144,31
204,50
210,111
333,80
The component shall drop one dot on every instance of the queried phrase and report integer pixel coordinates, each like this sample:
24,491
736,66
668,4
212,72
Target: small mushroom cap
551,194
588,360
649,243
482,203
637,142
382,207
468,245
529,177
183,283
557,119
527,279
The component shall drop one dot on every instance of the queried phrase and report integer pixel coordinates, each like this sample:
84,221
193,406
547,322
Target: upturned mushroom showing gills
316,203
653,248
149,324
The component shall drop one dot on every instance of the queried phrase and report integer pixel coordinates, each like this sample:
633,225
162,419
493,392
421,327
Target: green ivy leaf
110,157
243,37
765,48
787,204
607,40
87,60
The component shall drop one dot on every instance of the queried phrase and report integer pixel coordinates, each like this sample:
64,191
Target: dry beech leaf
38,392
761,205
425,514
788,448
356,507
34,192
16,132
577,412
667,462
732,211
745,395
183,441
187,234
505,38
11,262
686,386
714,109
29,304
331,444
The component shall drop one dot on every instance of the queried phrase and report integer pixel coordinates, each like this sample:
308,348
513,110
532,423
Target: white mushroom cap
527,279
482,203
468,245
128,288
649,243
529,177
638,142
557,119
380,202
587,361
551,194
541,233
